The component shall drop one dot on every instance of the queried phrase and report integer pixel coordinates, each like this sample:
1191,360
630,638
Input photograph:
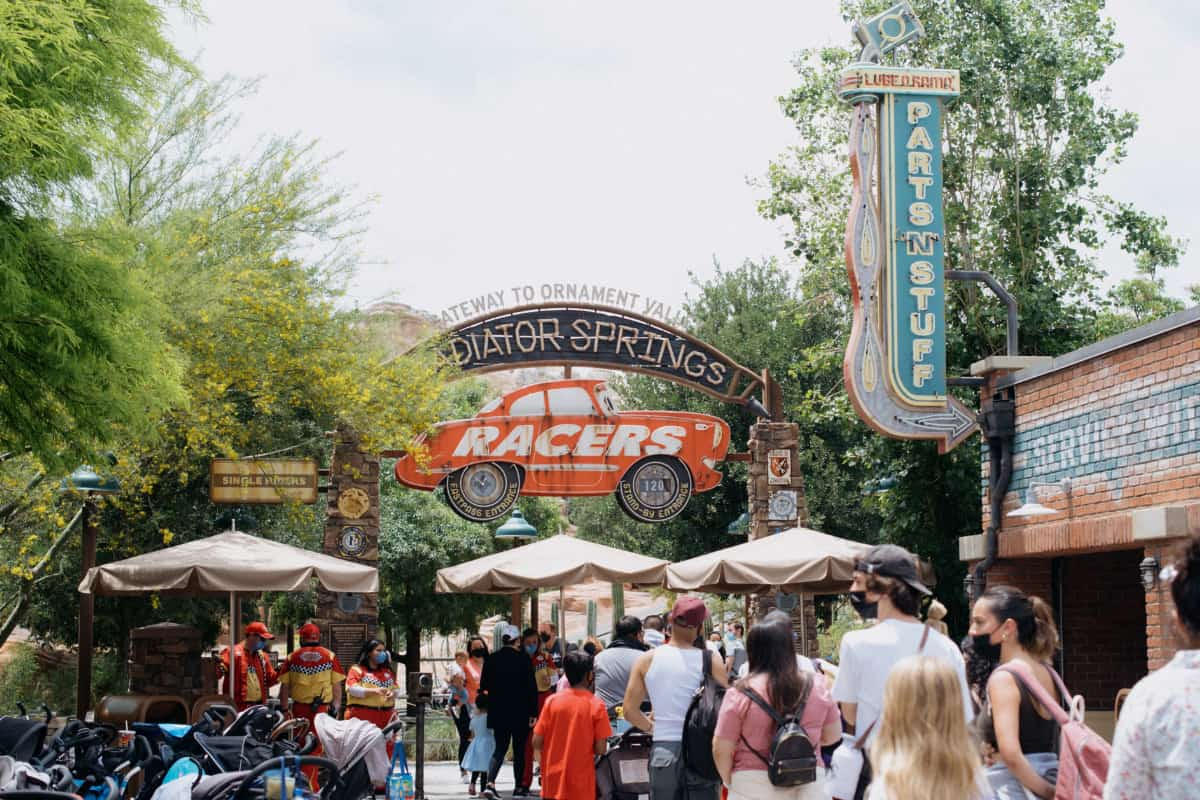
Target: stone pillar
165,659
352,533
777,502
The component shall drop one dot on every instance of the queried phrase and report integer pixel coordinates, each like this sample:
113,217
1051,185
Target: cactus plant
591,618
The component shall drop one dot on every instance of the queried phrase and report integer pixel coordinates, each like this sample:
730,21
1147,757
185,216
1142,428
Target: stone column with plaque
777,503
351,532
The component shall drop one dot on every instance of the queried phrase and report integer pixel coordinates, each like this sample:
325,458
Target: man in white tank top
669,676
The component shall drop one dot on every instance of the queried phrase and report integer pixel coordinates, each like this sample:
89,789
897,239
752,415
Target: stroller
360,751
623,773
253,784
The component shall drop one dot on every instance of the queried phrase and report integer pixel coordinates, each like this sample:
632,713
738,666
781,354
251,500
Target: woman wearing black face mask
477,651
1009,626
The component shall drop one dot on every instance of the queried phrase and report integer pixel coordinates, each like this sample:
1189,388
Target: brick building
1120,420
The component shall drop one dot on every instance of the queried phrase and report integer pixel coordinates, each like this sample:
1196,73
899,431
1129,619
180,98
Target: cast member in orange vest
255,673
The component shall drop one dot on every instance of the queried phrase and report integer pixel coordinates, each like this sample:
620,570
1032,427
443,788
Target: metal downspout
1000,446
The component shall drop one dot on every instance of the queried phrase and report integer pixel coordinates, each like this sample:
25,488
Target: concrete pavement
442,782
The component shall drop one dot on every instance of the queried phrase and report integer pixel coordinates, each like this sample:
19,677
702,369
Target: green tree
1029,141
82,360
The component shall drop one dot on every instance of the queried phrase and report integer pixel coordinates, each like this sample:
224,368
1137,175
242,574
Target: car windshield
606,401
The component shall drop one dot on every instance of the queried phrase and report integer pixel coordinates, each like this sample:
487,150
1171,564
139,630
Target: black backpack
700,723
793,759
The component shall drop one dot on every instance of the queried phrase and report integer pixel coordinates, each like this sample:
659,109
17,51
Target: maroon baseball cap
689,611
258,629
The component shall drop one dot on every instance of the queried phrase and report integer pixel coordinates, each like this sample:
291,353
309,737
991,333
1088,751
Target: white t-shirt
867,656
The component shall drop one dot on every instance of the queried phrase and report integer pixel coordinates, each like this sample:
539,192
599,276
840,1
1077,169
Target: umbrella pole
233,616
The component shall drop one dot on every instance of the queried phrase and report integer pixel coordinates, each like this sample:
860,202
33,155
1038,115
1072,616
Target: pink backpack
1083,755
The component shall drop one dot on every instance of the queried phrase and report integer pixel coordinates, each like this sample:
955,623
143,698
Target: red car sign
567,438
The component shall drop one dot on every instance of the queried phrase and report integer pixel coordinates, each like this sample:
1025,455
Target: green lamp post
515,529
90,484
740,526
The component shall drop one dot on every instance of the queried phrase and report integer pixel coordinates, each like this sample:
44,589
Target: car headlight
718,434
711,463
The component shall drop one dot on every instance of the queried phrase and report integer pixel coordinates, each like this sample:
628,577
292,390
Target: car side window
571,401
531,405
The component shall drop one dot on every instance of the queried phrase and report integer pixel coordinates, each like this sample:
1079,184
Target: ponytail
1045,633
1036,630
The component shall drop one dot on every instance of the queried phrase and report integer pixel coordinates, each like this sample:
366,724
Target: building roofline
1180,319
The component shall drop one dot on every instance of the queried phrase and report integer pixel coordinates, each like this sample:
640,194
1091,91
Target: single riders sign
895,364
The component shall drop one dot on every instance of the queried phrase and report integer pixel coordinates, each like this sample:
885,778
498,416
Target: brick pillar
352,533
1161,641
774,441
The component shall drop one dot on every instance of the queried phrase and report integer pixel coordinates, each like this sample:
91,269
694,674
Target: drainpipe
999,426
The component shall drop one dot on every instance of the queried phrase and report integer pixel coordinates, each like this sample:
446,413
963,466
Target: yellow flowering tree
248,256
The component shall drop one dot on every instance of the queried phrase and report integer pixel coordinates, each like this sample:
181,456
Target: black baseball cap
892,561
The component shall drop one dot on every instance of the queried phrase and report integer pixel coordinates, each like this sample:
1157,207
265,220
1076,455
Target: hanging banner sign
895,364
597,336
263,480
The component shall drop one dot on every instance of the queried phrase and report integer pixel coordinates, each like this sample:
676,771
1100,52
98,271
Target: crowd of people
906,713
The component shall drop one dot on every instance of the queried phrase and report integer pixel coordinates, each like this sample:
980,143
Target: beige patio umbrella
794,561
230,563
557,561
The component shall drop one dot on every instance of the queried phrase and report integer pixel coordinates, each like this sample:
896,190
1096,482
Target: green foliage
82,358
72,76
23,680
829,636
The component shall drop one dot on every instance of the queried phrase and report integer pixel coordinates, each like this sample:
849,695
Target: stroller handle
243,791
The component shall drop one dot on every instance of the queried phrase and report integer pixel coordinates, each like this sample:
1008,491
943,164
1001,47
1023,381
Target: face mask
259,644
478,652
381,658
545,637
865,610
982,646
531,649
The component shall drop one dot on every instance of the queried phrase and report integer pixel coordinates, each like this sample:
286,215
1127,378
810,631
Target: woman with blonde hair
1009,627
923,750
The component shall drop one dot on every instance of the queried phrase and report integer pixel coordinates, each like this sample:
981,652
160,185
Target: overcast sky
524,142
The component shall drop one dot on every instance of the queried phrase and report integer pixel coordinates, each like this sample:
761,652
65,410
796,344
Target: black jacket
511,688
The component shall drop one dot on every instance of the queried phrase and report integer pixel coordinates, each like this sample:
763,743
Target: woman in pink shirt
477,651
744,728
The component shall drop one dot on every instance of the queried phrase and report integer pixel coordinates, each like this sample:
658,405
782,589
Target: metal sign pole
420,745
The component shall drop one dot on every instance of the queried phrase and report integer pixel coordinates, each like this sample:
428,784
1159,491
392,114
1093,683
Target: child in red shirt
572,730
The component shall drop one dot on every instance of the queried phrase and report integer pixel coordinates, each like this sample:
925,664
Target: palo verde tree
249,254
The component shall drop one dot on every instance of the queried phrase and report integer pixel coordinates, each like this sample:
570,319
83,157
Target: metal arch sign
895,363
597,336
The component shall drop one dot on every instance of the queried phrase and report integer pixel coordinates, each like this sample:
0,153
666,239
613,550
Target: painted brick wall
1124,426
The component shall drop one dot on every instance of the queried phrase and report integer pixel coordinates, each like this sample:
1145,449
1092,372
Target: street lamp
86,480
1032,507
740,526
516,529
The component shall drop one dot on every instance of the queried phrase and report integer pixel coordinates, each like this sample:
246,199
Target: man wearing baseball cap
311,677
669,676
511,689
888,587
255,673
